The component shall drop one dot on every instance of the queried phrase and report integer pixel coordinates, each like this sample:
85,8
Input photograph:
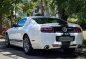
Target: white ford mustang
40,32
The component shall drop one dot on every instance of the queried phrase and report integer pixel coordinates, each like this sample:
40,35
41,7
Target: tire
7,41
27,45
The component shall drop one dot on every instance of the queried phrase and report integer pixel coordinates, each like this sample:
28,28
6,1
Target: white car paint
41,39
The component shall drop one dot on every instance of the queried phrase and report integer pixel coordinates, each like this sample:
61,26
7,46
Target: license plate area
64,38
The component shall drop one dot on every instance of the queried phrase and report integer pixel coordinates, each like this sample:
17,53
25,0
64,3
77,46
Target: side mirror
15,25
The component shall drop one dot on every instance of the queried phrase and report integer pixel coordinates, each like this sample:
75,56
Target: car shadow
16,52
84,43
55,54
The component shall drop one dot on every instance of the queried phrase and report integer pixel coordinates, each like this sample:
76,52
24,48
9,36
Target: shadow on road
54,54
84,42
15,52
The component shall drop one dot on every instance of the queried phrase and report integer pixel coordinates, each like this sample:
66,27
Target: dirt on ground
84,35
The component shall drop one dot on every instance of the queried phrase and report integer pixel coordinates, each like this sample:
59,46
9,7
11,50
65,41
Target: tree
28,7
6,9
51,6
69,8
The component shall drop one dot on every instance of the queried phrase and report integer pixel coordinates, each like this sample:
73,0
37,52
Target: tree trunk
0,25
62,15
10,17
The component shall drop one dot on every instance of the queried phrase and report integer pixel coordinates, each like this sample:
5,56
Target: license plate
65,38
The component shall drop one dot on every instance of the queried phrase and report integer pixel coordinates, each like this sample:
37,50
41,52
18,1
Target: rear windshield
46,20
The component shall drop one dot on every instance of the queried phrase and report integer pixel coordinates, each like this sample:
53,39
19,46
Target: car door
16,32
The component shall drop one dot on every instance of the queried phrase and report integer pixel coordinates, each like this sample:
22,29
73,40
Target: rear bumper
56,46
48,41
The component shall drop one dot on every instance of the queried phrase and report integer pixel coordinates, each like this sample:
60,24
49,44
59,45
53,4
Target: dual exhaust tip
47,47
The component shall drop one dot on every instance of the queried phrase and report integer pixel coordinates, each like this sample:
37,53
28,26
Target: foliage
6,11
6,6
72,20
28,7
16,20
6,23
73,7
52,6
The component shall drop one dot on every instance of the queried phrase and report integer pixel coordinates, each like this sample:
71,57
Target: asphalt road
17,53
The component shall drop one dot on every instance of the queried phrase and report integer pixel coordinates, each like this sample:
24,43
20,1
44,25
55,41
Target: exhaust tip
46,47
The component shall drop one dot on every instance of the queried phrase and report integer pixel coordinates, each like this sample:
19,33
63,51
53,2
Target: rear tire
7,41
27,45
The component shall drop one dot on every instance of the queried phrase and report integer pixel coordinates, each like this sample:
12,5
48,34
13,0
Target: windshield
46,20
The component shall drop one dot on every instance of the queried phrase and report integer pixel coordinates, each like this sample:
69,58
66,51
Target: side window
22,22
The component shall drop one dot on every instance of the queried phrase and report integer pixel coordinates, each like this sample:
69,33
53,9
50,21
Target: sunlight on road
9,55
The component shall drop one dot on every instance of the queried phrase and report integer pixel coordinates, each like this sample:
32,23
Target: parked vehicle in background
40,32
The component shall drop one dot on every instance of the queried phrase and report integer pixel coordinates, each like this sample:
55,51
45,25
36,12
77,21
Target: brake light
47,29
77,30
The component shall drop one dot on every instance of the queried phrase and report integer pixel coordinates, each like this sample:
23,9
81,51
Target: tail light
77,30
47,29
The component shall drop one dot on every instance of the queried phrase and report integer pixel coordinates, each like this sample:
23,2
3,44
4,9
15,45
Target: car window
22,22
46,20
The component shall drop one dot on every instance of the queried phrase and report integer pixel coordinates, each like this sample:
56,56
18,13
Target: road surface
17,53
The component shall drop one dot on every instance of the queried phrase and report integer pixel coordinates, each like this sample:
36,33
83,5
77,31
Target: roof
39,17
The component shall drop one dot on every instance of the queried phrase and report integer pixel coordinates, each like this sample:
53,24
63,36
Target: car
42,32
